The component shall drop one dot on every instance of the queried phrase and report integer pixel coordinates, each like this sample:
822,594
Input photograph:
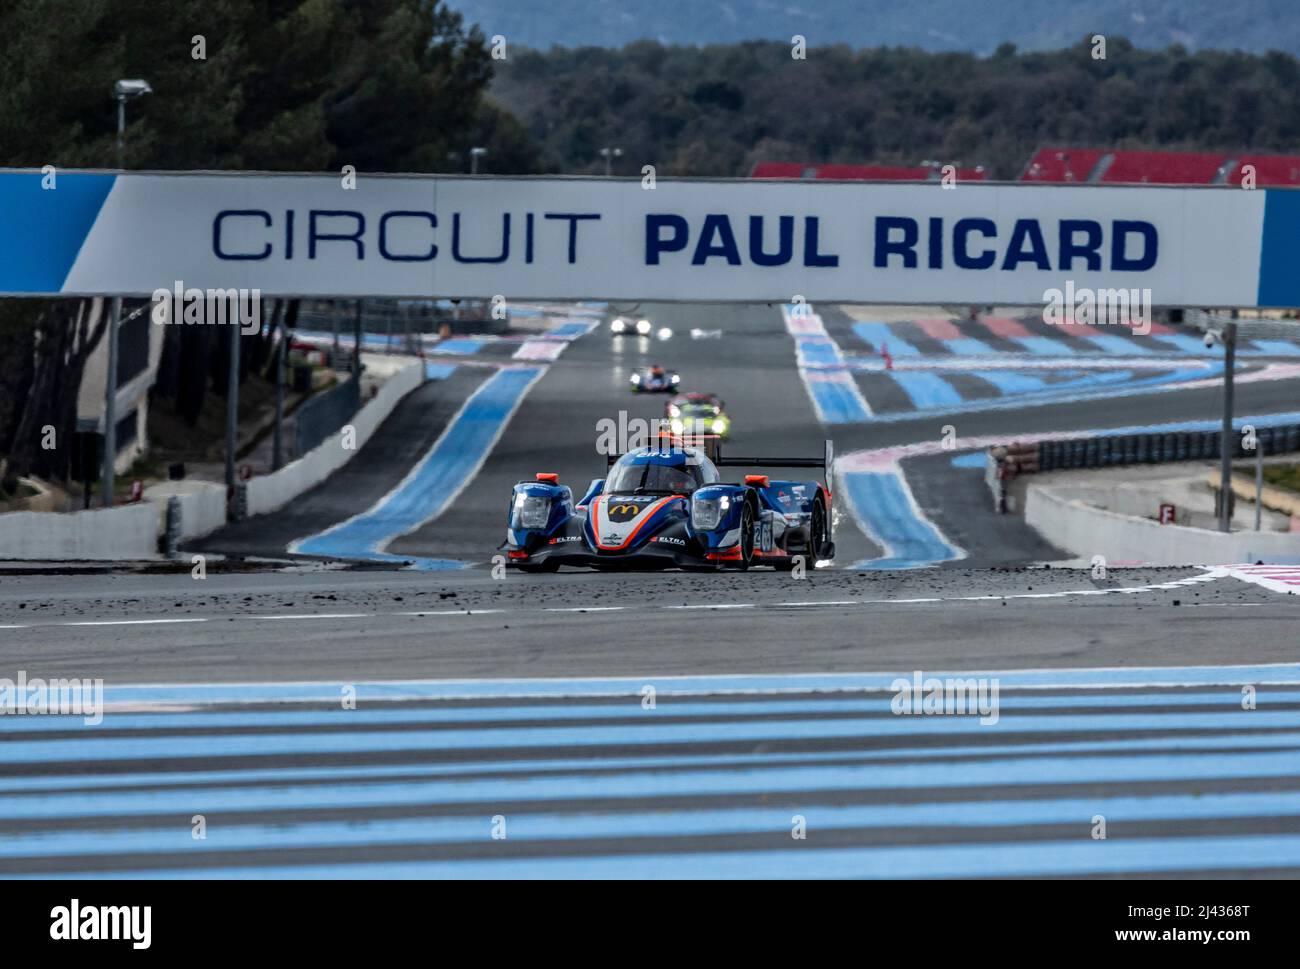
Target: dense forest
716,110
940,25
237,84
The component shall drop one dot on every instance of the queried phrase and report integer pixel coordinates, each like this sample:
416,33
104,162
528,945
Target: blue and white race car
666,506
654,380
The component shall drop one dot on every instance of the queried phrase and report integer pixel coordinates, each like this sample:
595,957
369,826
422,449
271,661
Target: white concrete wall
128,533
203,506
1087,531
273,491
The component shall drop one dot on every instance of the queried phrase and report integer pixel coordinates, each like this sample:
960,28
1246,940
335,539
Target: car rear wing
711,445
826,462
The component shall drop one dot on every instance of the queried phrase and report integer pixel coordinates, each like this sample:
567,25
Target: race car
666,506
654,380
694,414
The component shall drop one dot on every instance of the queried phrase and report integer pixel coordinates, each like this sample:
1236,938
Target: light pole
609,154
474,155
1227,442
122,91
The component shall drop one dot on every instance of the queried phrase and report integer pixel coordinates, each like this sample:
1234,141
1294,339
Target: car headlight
643,327
674,410
531,511
678,426
676,379
636,378
619,325
706,513
719,426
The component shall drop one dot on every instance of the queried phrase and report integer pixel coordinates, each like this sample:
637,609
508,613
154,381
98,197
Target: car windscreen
626,479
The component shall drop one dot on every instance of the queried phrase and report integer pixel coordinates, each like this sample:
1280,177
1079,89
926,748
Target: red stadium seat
1062,164
1164,167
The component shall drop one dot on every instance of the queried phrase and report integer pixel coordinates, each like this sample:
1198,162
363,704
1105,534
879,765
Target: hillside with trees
716,110
392,85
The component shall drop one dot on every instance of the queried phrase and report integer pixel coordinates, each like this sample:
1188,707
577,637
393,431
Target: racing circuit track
524,699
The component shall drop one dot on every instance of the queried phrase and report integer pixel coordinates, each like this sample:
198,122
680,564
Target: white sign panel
562,238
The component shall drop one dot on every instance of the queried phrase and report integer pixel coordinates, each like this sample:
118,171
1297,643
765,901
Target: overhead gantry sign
96,233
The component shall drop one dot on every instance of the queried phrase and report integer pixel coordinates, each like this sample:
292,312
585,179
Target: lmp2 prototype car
693,414
654,380
666,506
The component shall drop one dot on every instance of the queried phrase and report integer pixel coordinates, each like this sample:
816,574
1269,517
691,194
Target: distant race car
654,380
694,414
620,325
666,506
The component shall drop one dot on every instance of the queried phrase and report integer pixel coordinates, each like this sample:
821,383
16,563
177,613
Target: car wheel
819,539
746,537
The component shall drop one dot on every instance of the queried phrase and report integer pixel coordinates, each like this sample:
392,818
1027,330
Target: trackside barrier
200,508
273,491
1086,530
126,533
1009,461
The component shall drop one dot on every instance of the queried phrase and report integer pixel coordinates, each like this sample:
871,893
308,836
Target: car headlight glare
619,325
706,513
643,327
719,426
532,511
636,378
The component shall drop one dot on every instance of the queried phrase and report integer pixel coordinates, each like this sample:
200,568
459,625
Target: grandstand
862,173
1057,164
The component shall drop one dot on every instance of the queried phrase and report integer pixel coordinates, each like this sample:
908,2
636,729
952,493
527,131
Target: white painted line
459,612
584,609
718,605
832,602
316,615
127,622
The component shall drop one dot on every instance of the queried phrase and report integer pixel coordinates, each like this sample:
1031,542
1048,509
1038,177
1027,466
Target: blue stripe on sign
880,335
1010,382
1045,346
448,466
881,504
651,824
44,229
1279,284
1033,858
925,390
975,459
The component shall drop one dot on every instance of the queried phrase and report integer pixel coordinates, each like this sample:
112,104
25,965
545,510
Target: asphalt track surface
503,727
